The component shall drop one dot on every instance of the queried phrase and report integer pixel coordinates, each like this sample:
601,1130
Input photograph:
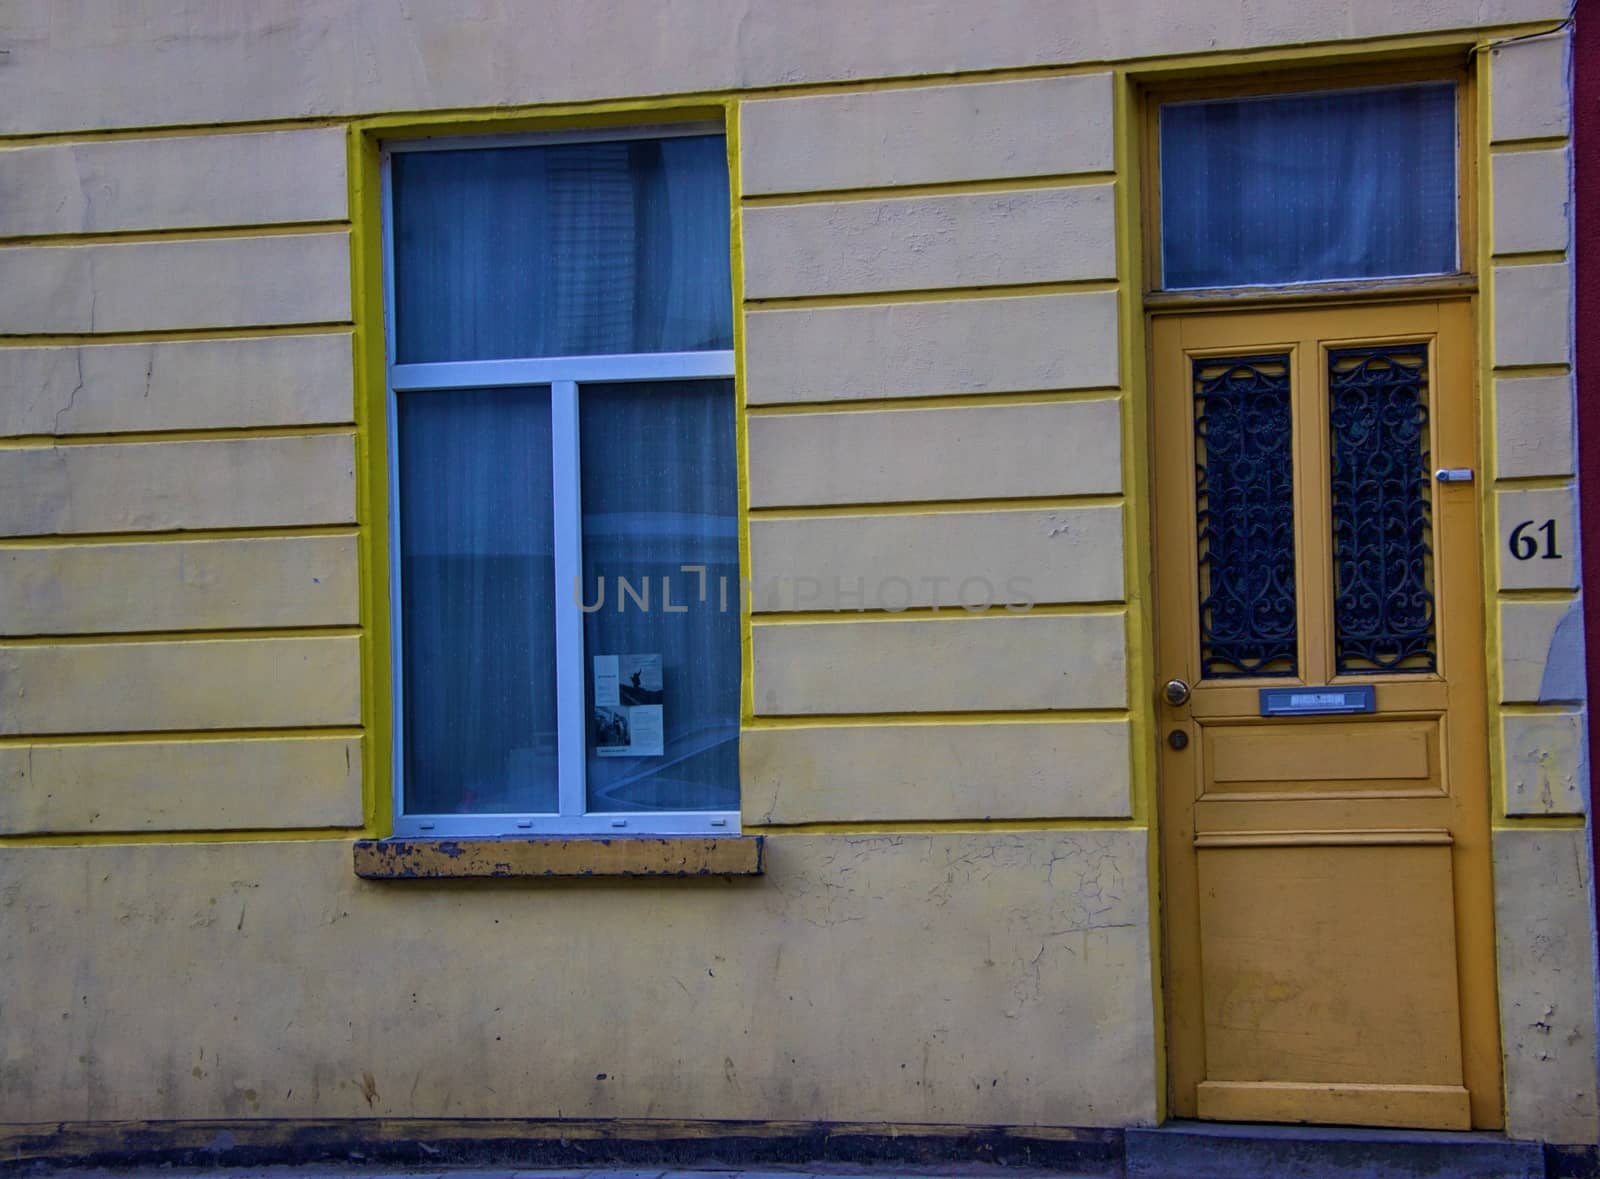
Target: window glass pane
1244,502
661,660
562,250
477,601
1308,187
1382,509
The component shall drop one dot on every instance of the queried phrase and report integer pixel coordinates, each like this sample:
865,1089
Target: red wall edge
1586,263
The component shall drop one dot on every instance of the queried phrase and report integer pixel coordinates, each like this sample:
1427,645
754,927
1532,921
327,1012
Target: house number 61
1524,547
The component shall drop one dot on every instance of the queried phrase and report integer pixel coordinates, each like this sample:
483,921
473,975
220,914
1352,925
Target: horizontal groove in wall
243,835
902,720
164,335
927,613
1532,370
1391,46
1534,709
897,719
943,826
191,233
216,434
937,188
926,81
178,735
1533,482
1537,143
942,295
934,401
1505,822
76,539
168,131
1395,46
1538,595
181,636
935,507
1530,258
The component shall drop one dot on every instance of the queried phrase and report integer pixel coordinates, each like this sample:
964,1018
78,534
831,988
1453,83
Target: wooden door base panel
1440,1107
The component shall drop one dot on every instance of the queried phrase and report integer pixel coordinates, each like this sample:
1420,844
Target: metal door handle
1176,692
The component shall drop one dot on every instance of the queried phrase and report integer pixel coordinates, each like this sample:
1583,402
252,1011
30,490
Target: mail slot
1318,701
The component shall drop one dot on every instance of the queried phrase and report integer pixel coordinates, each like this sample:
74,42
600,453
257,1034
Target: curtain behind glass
660,491
565,250
1309,187
477,601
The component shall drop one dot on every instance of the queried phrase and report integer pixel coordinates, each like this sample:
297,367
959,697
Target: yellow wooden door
1325,851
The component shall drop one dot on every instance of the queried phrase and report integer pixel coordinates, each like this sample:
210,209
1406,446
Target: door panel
1320,761
1295,937
1329,939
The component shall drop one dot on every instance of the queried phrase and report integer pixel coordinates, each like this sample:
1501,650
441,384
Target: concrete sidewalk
1179,1150
356,1171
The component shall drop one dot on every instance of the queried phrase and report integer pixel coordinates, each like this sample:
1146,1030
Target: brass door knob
1176,692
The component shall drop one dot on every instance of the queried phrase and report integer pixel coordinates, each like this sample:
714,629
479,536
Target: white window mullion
571,709
537,370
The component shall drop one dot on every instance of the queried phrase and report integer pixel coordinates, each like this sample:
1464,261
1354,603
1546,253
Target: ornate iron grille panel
1244,480
1383,606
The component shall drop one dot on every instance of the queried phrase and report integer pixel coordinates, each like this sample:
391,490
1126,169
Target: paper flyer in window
628,699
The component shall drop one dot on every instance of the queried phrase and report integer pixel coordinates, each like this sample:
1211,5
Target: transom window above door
1317,186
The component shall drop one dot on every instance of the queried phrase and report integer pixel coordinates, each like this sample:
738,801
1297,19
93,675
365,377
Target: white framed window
563,484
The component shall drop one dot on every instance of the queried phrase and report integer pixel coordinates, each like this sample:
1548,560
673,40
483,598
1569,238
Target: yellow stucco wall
1544,904
941,374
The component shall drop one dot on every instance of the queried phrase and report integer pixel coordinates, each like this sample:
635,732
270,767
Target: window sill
1441,285
410,858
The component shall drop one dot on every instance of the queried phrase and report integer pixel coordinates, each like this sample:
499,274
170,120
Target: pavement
326,1171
